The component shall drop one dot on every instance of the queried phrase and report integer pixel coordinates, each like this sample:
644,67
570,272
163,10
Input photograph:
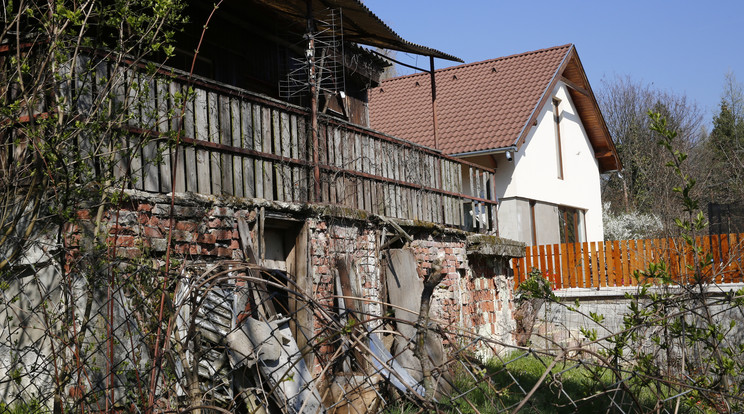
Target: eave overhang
360,25
571,73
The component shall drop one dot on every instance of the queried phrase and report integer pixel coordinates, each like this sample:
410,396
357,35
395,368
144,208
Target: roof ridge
482,62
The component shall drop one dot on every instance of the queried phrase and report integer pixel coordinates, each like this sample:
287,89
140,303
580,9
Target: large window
571,222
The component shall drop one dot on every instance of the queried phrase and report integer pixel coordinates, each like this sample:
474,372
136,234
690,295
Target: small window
558,145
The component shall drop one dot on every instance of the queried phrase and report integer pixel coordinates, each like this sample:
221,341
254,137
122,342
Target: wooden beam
573,85
603,154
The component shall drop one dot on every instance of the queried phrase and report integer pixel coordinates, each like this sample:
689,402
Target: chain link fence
235,337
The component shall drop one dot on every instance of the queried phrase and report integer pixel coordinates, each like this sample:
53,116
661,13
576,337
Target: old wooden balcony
238,143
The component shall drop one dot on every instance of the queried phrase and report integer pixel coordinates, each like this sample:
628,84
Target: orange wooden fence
612,263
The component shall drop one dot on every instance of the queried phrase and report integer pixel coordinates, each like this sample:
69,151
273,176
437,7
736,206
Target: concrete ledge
620,291
486,245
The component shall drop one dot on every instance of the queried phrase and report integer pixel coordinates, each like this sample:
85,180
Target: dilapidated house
251,218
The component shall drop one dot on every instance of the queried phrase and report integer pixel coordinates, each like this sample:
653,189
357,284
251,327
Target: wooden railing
600,265
242,144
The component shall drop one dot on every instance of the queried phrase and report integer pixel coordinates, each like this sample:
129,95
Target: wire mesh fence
231,336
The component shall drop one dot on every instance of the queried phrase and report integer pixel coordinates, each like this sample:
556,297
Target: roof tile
477,108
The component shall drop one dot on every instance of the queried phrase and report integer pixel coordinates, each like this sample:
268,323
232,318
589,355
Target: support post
313,99
433,98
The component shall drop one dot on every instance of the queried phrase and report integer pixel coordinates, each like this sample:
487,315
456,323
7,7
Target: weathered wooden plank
133,143
175,123
325,150
247,133
237,141
226,138
364,142
258,165
215,161
294,153
277,128
201,128
150,148
162,126
266,144
304,183
119,92
190,166
358,158
339,181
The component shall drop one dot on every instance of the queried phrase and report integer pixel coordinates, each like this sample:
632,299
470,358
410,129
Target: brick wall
475,293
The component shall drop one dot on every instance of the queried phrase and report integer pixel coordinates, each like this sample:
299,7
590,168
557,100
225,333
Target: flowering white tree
629,225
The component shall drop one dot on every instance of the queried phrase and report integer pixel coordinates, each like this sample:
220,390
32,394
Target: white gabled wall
533,173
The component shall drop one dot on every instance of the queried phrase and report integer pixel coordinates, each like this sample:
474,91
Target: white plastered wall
533,173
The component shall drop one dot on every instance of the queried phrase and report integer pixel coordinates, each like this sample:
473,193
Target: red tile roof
480,106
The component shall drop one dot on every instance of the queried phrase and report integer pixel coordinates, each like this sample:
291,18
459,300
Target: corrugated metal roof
359,23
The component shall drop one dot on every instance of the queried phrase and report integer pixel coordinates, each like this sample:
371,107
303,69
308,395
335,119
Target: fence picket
601,269
612,263
715,242
593,264
586,265
724,257
549,262
557,266
543,266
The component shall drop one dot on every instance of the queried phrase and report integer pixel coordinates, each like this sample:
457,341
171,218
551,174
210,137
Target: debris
270,345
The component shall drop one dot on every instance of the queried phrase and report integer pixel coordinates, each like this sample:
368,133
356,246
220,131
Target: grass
572,387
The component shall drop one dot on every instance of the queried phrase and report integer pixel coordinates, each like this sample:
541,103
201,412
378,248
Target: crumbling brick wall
475,293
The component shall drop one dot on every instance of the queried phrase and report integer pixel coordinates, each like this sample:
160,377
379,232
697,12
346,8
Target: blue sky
685,47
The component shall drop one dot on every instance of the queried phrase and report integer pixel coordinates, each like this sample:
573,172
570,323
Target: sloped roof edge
359,23
599,134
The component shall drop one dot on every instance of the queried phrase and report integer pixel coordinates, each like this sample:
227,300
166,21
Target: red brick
144,207
154,222
222,234
224,252
123,240
152,232
206,238
214,223
83,214
182,236
143,218
186,225
234,245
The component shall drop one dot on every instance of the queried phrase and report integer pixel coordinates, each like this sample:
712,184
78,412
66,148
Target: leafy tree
726,145
74,79
645,185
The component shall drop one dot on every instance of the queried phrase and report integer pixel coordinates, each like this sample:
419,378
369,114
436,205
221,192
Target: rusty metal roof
360,25
488,105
